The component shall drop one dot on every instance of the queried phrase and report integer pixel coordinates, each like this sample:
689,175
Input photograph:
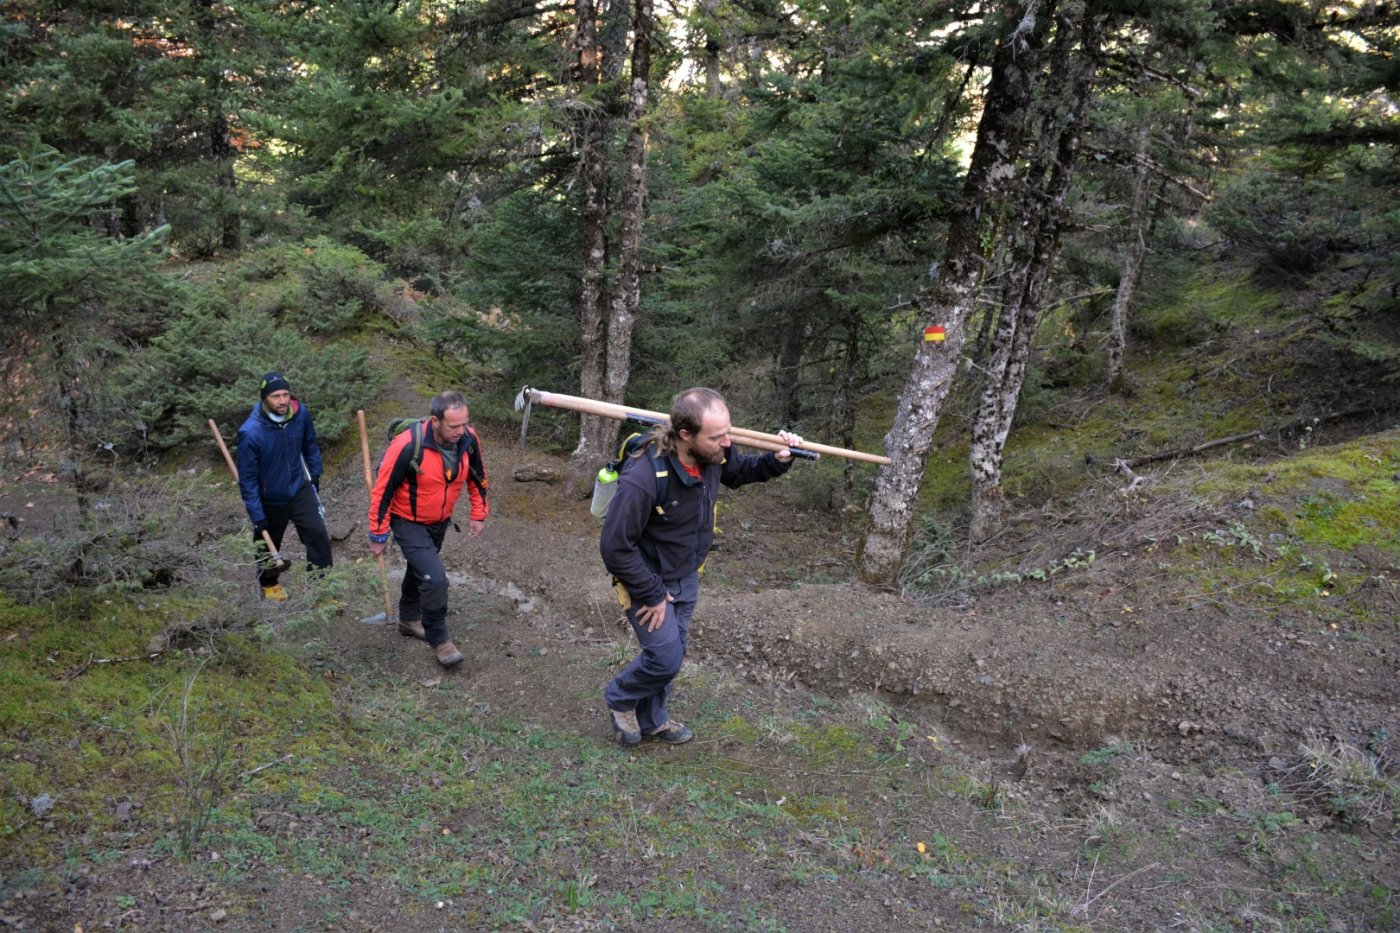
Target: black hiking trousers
311,529
423,596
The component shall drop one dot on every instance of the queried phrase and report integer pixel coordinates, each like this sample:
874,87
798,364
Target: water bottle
603,489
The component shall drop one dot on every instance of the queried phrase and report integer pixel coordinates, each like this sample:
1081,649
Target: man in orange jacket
413,501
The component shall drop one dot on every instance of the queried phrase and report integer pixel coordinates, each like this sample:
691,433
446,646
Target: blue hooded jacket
270,458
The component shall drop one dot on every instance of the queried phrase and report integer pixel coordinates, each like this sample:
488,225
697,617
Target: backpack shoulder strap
476,469
416,463
639,443
662,473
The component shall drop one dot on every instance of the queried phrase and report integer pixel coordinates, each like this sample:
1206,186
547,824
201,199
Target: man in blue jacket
279,475
654,550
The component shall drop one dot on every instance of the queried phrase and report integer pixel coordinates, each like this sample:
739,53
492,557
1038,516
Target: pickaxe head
523,401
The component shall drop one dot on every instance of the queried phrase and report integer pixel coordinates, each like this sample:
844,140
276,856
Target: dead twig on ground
1083,909
91,661
271,764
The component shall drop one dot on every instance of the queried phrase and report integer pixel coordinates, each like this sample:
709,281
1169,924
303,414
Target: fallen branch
1120,463
1127,471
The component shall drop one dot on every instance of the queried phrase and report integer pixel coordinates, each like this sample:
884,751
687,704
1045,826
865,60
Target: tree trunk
627,297
950,302
221,145
1033,256
591,127
1132,265
612,39
68,382
714,87
791,342
852,379
221,149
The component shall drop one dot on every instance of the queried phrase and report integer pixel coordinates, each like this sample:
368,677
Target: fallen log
1202,447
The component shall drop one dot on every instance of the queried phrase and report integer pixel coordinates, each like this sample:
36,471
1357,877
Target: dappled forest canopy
773,198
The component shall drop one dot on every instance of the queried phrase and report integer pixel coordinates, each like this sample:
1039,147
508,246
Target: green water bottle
603,488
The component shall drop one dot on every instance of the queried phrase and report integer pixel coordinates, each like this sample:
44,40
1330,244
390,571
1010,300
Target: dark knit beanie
274,382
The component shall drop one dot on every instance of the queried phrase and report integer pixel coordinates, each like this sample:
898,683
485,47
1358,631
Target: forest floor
1128,736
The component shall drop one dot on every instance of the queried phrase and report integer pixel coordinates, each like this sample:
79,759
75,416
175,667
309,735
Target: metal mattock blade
523,401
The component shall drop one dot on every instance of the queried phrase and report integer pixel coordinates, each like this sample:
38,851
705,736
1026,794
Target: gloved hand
259,528
316,484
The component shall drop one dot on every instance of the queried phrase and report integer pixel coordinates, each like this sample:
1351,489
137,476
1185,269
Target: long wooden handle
223,449
369,489
233,468
756,439
624,412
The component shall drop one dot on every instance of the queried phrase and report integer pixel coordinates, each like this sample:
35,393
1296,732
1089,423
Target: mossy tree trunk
627,295
591,126
1034,248
970,241
1132,263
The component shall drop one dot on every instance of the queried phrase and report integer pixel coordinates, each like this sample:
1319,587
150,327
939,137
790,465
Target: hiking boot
447,654
624,723
673,733
412,628
275,593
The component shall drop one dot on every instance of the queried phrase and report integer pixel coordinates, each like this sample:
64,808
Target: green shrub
1280,221
207,363
319,287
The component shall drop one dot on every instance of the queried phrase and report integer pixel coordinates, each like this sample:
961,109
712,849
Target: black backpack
632,445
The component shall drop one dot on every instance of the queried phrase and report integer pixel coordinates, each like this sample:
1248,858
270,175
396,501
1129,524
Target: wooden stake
369,489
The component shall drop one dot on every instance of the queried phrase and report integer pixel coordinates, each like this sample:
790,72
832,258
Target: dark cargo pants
423,595
303,514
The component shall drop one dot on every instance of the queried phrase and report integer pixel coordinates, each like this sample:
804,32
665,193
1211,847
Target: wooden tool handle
369,488
743,436
233,468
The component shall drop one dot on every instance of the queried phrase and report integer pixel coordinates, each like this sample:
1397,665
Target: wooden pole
756,439
623,413
267,538
369,489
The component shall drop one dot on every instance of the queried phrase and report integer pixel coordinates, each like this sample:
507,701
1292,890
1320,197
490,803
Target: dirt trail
1104,655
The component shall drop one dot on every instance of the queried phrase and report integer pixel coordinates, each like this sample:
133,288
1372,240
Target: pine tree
70,284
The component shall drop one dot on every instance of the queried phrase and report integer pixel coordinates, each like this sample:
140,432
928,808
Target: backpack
417,426
606,483
400,425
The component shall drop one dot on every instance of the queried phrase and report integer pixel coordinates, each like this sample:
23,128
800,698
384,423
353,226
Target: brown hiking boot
673,733
412,628
447,654
624,723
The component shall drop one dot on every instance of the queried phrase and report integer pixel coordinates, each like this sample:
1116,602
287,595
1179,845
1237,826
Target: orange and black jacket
428,494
